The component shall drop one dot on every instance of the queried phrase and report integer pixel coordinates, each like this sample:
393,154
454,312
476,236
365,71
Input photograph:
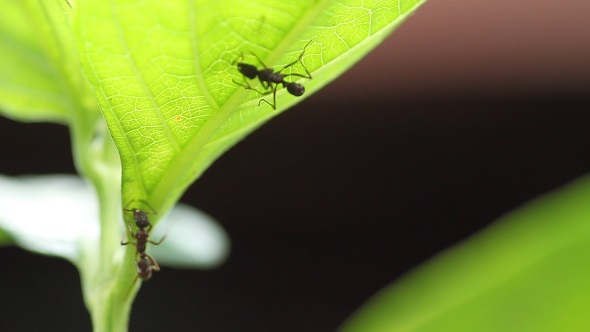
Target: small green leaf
164,77
527,272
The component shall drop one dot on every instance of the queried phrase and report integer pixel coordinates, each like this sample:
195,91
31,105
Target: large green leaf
527,272
163,73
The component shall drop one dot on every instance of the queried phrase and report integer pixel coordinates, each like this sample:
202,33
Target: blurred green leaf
28,77
40,78
5,239
527,272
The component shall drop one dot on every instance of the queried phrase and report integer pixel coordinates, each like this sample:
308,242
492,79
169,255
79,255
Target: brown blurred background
453,49
467,111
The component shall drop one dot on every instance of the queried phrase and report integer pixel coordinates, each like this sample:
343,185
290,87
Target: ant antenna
301,62
142,201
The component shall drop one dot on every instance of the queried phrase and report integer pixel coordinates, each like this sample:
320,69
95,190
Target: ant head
247,70
295,89
141,219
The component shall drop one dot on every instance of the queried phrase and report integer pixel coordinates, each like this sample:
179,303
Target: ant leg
241,57
264,93
128,226
155,265
274,98
132,284
266,101
301,75
244,85
266,85
248,87
298,60
302,65
166,233
126,243
130,229
262,63
127,206
158,242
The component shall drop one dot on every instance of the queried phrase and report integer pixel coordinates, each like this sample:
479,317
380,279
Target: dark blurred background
462,115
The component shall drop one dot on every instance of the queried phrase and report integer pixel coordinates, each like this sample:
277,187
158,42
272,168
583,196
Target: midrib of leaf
128,54
180,166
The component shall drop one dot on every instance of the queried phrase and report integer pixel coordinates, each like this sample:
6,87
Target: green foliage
527,272
161,74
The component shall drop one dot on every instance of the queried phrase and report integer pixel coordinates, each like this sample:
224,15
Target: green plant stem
104,265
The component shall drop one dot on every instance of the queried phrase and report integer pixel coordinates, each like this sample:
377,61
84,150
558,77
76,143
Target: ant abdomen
145,267
295,89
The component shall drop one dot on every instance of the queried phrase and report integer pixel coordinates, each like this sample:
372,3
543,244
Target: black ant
146,263
267,76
